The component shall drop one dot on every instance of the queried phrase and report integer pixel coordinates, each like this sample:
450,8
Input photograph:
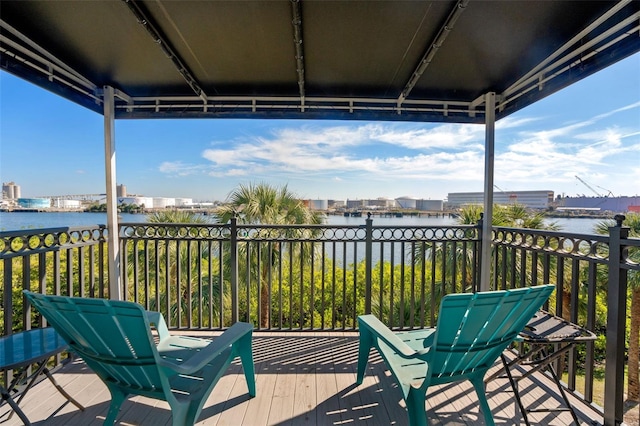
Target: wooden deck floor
302,378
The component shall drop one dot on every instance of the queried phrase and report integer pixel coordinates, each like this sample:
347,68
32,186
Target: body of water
19,220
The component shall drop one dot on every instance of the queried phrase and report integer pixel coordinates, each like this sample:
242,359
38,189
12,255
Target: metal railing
321,277
295,277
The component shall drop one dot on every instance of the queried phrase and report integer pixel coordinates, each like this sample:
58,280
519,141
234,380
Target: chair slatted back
473,329
113,338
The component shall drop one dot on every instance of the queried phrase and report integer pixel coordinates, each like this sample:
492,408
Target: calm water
15,221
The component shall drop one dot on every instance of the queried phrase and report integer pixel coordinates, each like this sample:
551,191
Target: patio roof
441,61
367,60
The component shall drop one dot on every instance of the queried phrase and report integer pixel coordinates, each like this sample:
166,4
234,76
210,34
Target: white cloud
532,152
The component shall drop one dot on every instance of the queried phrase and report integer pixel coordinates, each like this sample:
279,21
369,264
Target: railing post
478,255
616,323
233,260
368,251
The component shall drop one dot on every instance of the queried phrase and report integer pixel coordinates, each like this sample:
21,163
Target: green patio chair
472,331
115,339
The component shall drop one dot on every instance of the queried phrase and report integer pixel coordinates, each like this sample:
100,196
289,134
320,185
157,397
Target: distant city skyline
50,146
121,187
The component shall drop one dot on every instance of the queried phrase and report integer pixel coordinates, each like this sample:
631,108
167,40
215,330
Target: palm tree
179,256
176,216
509,216
264,204
632,220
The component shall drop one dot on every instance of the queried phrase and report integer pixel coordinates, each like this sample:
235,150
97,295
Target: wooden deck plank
266,374
222,394
304,397
381,398
282,403
349,398
294,371
328,410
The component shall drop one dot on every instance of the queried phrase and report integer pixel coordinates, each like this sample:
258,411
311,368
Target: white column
115,289
489,157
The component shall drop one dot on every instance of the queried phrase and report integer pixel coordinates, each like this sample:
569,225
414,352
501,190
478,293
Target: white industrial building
533,199
184,202
430,205
380,203
355,204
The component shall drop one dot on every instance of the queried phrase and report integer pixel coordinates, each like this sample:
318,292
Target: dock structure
397,213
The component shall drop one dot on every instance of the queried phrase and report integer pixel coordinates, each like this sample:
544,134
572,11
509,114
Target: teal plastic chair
115,339
472,331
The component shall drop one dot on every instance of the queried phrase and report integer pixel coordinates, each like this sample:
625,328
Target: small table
543,330
19,351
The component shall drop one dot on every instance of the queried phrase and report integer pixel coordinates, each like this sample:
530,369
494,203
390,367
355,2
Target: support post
489,157
113,240
616,326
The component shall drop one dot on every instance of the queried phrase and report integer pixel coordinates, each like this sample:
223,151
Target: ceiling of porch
312,59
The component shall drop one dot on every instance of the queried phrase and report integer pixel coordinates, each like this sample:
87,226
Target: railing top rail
33,241
557,234
40,231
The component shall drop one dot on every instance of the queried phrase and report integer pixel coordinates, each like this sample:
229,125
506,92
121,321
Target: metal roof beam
296,9
578,38
573,58
161,40
433,48
254,106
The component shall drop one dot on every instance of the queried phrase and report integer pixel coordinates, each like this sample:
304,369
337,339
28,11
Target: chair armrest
374,326
157,321
205,354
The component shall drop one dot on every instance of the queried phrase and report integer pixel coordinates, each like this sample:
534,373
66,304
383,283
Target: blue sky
50,146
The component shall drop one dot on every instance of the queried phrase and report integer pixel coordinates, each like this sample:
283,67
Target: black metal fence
321,277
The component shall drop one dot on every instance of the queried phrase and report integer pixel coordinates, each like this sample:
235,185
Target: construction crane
593,190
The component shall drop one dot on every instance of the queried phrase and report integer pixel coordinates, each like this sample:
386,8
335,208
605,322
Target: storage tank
10,191
430,205
121,191
61,203
407,202
163,202
146,202
319,204
184,202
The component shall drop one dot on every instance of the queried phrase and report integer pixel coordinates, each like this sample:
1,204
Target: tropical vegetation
262,203
290,276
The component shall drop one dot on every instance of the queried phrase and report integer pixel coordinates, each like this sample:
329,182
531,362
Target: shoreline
386,214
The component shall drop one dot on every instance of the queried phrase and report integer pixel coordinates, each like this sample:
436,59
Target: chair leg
246,357
415,400
117,398
184,414
478,385
364,347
